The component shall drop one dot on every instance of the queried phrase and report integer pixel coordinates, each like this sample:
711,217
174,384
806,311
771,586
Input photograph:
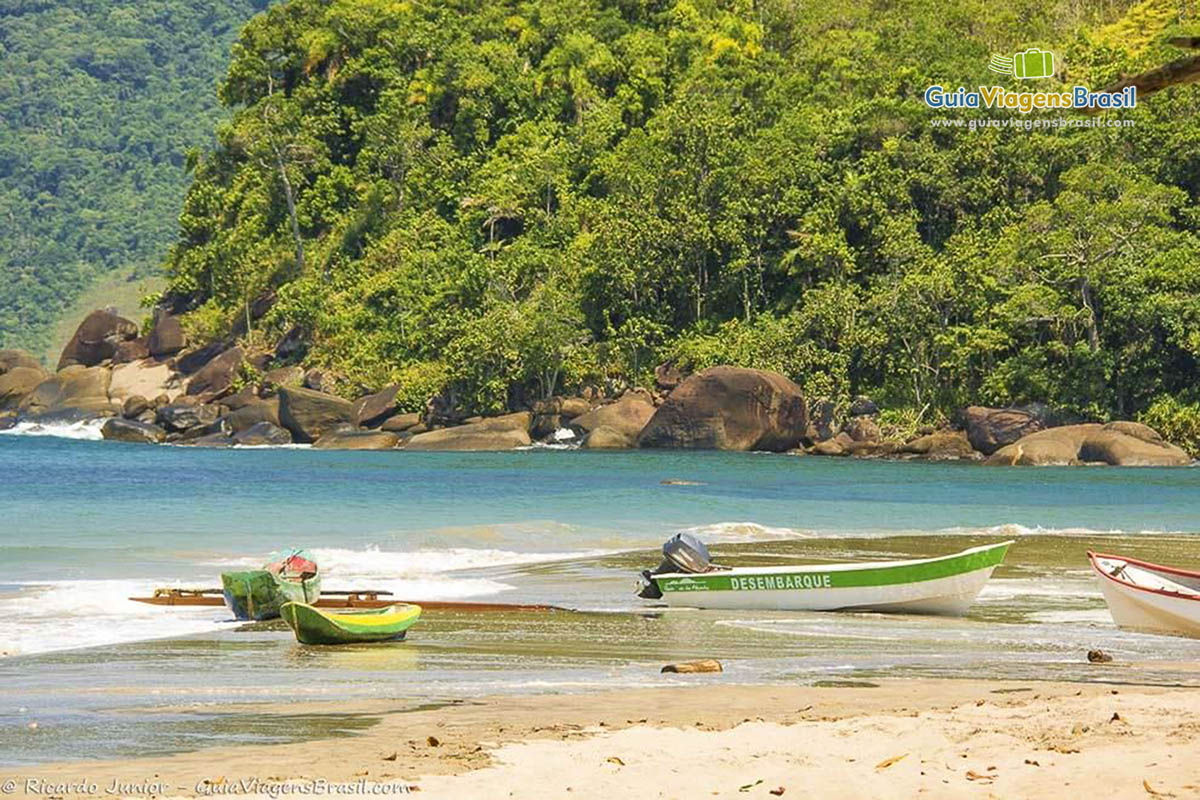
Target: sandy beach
928,738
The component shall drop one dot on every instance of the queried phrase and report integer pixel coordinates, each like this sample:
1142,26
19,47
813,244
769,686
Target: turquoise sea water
86,524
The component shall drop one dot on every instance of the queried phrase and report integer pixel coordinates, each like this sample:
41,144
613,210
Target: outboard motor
686,553
681,553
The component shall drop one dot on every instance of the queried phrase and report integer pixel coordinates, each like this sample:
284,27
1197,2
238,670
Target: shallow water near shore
87,524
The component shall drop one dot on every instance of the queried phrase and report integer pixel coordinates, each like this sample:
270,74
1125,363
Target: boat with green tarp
289,576
351,626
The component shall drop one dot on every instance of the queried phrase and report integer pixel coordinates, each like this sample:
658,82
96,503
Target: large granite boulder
247,415
1117,443
75,392
10,359
134,406
572,407
166,337
667,376
262,434
217,439
96,339
605,438
497,433
1137,430
553,418
401,422
729,408
18,383
628,416
989,429
274,379
566,408
128,430
215,379
940,446
832,447
131,350
189,361
185,416
876,448
310,414
545,427
246,396
357,440
863,429
822,422
315,379
375,409
145,378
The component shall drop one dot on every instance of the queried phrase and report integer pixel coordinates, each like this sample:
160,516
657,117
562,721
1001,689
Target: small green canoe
350,626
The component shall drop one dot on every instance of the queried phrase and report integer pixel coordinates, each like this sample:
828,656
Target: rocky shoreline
154,389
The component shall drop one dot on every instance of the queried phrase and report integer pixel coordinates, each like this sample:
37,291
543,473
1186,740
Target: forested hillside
99,101
509,199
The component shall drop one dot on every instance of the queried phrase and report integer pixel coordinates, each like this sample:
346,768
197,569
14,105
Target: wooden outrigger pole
369,598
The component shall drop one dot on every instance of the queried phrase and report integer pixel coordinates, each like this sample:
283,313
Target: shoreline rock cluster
154,389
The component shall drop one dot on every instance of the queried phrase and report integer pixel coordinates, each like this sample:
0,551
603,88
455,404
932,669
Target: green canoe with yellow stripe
349,626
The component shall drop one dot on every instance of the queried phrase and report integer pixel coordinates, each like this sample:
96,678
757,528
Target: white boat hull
944,597
1139,609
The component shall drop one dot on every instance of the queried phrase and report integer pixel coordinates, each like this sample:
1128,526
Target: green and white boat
288,576
349,626
945,585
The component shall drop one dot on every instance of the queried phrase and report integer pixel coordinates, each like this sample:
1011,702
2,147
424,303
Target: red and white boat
1149,597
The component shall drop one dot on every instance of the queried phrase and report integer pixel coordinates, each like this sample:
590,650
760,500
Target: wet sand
886,738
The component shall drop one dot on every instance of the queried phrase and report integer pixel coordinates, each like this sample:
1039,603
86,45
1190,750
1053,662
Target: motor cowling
681,553
686,553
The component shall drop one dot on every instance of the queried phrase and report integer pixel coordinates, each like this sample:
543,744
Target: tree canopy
100,100
503,200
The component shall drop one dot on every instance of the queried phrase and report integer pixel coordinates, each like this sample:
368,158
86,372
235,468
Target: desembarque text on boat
754,583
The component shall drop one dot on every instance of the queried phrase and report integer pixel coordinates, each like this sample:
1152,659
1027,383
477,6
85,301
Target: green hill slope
503,200
100,100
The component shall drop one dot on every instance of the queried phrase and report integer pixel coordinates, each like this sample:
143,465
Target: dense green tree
501,201
100,100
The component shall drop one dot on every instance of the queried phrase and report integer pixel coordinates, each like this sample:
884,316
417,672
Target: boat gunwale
1092,557
845,566
393,614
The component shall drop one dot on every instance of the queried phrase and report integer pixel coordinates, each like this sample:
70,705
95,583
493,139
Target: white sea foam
1015,530
1002,589
731,532
87,429
46,616
419,574
562,444
291,446
1088,616
64,615
373,561
734,532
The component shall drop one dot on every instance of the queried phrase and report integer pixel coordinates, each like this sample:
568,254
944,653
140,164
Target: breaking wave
86,429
